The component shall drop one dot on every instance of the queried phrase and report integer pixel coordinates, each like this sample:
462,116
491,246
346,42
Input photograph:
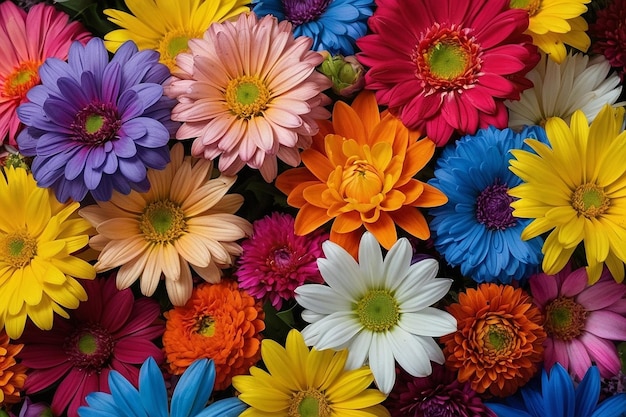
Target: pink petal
36,358
606,324
574,283
560,353
67,390
135,350
543,288
145,312
91,384
114,318
129,372
603,353
579,358
601,295
43,378
549,354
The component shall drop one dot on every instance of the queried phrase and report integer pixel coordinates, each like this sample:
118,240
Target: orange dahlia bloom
219,322
12,374
498,344
359,172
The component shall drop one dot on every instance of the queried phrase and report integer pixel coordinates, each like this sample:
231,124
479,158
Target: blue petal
588,392
558,392
126,396
100,405
152,389
506,411
613,407
229,407
194,389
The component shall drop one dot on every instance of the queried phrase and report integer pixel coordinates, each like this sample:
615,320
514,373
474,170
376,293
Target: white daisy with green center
380,310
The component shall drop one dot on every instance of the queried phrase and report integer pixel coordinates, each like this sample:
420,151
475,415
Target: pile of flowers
313,208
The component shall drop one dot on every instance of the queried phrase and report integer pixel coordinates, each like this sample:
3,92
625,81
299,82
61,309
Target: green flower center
378,310
447,60
94,123
87,344
22,79
565,318
173,43
17,249
177,45
590,201
206,326
162,221
247,96
310,403
531,6
89,348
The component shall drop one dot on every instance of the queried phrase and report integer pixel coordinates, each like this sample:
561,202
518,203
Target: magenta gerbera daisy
111,331
275,261
446,66
581,320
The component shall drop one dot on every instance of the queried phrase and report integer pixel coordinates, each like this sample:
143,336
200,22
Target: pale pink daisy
26,40
249,93
581,320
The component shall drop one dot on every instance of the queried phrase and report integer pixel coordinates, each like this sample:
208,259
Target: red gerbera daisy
447,65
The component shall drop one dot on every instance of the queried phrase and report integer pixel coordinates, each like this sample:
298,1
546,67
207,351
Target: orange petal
431,197
313,194
310,218
366,107
318,164
291,178
296,197
334,145
325,128
348,241
384,230
412,190
411,220
393,201
347,222
347,122
418,155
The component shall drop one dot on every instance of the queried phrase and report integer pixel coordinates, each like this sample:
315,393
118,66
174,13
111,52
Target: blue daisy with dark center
94,125
334,25
475,229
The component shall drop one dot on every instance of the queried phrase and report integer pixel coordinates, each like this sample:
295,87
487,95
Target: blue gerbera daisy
334,25
190,397
95,125
557,397
475,229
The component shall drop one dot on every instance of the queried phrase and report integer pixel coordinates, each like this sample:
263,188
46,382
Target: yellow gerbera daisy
576,187
185,219
38,236
166,25
302,383
555,23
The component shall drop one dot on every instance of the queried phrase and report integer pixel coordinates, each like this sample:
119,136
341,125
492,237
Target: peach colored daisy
249,93
185,219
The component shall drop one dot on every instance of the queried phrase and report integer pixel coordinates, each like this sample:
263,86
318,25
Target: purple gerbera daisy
276,261
95,125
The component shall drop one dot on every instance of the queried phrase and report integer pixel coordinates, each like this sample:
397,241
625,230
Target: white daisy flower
378,309
580,82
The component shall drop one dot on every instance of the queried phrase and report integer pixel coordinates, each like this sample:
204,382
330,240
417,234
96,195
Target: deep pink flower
110,331
437,395
446,66
609,34
581,320
276,261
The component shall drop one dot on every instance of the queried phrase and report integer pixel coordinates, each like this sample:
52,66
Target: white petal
397,263
311,316
341,271
321,299
359,350
332,332
428,322
432,349
409,353
419,296
382,363
371,261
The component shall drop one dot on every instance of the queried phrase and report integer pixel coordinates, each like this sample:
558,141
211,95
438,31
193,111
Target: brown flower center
565,318
17,248
162,221
590,200
309,403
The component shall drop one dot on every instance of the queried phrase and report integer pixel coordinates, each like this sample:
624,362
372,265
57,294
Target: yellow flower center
173,43
22,79
18,248
162,221
310,403
590,201
378,310
531,6
565,318
495,337
247,96
205,326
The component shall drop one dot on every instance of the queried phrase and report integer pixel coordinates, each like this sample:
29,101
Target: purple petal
110,164
155,158
606,324
50,71
145,132
29,112
73,91
129,105
75,189
112,79
97,156
132,169
92,177
104,191
60,112
76,165
93,58
574,283
149,94
52,143
90,86
124,147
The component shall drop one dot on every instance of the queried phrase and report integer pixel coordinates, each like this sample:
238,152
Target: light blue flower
558,398
189,399
334,25
475,229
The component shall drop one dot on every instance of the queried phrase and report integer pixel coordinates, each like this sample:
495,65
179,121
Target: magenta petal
90,384
42,378
135,350
606,324
544,289
549,354
145,312
114,318
560,353
129,372
579,358
603,353
574,283
36,358
67,390
600,295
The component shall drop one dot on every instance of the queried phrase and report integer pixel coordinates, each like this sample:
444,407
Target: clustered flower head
609,35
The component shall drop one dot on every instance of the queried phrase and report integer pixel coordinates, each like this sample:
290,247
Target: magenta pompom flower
276,261
111,331
609,35
581,320
447,65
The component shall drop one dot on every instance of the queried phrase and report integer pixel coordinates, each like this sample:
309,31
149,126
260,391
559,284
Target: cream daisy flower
378,309
185,219
578,83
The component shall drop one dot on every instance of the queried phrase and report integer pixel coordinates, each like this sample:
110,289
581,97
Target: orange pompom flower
12,374
219,322
498,344
359,171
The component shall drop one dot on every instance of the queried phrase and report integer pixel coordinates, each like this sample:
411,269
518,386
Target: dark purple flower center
96,123
565,318
303,11
493,207
281,259
90,347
